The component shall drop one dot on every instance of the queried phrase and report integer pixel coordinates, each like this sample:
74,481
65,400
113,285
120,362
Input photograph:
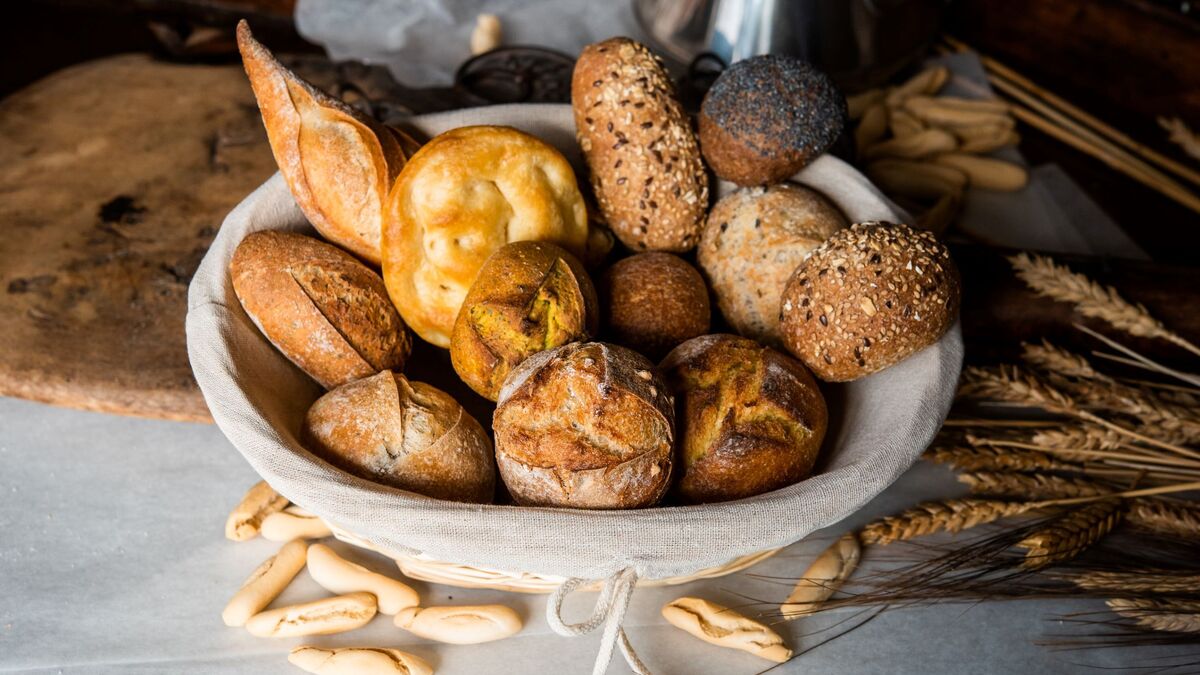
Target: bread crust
338,163
586,425
529,296
869,297
752,242
640,147
653,301
324,310
751,419
406,434
465,194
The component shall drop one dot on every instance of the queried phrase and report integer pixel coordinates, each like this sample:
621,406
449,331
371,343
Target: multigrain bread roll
587,425
751,244
405,434
338,163
641,150
768,116
327,312
653,301
869,297
530,296
750,419
465,194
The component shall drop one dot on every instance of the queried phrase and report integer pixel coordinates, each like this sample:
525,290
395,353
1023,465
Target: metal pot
859,43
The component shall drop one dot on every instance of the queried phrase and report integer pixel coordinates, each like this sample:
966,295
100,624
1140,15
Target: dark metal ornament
518,74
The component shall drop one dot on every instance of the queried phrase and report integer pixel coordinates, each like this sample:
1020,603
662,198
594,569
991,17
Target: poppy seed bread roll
869,297
587,425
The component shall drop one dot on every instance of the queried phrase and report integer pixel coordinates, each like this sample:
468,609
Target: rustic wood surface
116,175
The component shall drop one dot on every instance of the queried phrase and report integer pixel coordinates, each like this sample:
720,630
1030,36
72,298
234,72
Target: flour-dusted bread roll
405,434
870,296
643,155
587,425
752,242
327,312
465,194
653,301
750,419
768,116
338,162
530,296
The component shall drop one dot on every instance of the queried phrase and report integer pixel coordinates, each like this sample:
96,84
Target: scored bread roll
405,434
586,425
338,162
324,310
750,420
465,194
530,296
752,242
642,153
869,297
653,301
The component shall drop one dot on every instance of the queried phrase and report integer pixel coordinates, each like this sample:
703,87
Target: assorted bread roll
405,434
327,312
750,420
653,301
483,235
586,425
870,296
752,242
529,296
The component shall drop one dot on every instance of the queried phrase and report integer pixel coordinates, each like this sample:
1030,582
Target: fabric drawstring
609,611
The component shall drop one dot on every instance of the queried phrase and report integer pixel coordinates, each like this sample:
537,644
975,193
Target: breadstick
925,83
322,617
246,518
903,123
338,575
985,172
357,661
823,577
920,180
724,627
923,144
487,34
294,523
466,625
857,104
984,139
872,127
958,112
265,584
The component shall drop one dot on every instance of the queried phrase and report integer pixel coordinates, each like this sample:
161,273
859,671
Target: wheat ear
1029,487
1179,134
1166,614
1054,359
1068,536
952,515
1091,299
995,459
1146,581
1077,438
1164,517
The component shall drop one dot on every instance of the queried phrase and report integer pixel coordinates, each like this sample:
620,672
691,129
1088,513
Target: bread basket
879,426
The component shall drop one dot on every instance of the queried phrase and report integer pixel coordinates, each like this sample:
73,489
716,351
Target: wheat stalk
1068,536
1077,438
1091,299
952,515
1179,134
1169,518
1145,581
994,459
1165,614
1053,359
1029,487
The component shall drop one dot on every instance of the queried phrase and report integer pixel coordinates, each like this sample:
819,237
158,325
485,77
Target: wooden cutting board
114,177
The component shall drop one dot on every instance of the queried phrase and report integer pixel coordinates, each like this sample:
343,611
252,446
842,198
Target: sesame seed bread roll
643,155
869,297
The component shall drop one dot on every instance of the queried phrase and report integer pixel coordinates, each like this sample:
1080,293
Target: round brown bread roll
751,420
465,194
326,311
751,244
870,296
768,116
530,296
586,425
654,301
641,150
405,434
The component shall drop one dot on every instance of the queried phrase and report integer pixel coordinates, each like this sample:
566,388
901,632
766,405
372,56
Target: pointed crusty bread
338,163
